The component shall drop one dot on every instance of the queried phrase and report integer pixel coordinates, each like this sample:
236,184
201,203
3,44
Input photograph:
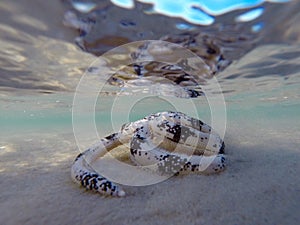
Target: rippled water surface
41,66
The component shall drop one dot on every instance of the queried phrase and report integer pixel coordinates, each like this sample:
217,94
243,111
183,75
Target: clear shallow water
40,69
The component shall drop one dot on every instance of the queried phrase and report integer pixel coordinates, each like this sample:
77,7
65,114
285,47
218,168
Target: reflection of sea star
206,46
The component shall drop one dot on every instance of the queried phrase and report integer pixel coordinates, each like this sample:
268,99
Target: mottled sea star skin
171,142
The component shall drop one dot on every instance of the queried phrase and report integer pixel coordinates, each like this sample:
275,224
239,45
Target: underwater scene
74,71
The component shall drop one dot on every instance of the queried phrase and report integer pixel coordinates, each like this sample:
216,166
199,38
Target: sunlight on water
83,7
197,11
124,3
250,15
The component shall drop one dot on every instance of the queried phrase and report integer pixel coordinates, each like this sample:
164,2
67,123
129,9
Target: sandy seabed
260,185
